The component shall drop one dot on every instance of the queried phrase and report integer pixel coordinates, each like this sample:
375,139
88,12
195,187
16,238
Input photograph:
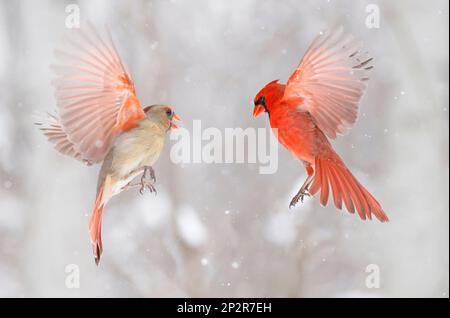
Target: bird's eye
261,101
169,113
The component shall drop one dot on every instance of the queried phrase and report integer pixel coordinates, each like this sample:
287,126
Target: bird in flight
100,119
320,101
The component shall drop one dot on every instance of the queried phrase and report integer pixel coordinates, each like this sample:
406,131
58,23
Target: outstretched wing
51,128
330,81
95,95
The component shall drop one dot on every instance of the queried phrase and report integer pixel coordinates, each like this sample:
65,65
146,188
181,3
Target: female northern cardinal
101,119
321,100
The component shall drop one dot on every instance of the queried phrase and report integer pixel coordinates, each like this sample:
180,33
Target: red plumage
321,100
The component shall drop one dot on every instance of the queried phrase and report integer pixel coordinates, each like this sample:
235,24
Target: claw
152,175
300,196
303,195
147,185
152,188
304,190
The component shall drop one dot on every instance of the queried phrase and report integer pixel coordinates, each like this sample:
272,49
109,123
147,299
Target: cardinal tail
95,226
332,174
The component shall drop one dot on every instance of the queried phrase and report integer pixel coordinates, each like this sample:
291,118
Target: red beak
174,118
258,110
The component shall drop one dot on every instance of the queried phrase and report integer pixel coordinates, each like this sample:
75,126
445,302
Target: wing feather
95,95
52,129
330,81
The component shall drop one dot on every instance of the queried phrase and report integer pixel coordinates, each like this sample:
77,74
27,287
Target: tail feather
346,191
354,193
95,227
337,197
331,172
325,193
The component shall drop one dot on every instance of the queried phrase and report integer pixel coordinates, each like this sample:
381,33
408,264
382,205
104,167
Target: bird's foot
144,184
300,196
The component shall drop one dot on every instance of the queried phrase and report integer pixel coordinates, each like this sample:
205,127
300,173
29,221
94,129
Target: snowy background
225,230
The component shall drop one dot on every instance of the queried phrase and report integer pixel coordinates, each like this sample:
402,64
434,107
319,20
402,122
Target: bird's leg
303,192
143,182
141,187
141,190
152,174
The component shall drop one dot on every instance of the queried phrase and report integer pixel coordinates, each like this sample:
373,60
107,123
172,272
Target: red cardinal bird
101,119
321,100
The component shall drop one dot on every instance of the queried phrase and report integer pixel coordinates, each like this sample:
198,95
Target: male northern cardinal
321,100
101,119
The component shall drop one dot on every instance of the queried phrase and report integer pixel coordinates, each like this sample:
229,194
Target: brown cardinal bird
101,119
320,101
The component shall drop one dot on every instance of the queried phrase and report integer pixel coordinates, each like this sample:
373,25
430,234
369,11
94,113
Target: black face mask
262,102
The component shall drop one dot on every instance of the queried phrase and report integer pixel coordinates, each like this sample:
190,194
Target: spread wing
51,128
330,81
95,95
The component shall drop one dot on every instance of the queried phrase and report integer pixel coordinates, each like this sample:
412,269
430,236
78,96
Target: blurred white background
225,230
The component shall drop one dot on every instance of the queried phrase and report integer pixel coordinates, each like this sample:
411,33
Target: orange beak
174,118
258,110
